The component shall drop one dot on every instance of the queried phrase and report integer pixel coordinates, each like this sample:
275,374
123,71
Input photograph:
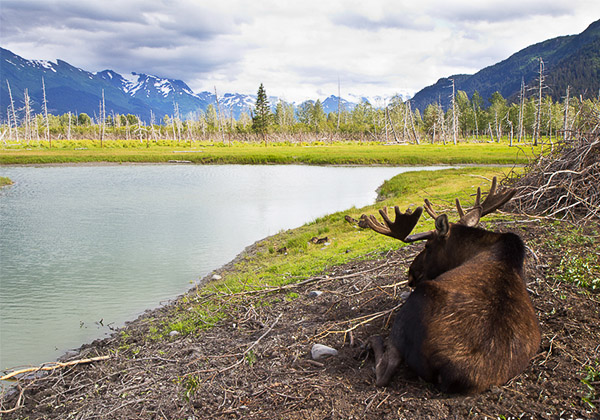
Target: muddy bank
256,362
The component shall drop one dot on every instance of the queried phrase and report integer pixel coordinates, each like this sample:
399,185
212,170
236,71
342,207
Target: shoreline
248,251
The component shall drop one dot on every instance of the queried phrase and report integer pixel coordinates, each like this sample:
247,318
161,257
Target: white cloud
297,49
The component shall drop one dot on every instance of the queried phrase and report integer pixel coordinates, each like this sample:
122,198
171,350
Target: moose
469,323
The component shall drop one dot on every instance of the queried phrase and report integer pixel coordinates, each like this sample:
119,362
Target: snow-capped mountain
71,89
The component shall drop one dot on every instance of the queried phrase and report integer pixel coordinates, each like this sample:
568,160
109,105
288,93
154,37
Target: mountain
331,104
71,89
572,60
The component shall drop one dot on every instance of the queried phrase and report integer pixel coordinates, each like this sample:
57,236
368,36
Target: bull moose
469,322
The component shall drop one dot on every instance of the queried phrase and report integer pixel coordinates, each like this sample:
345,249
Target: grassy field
237,153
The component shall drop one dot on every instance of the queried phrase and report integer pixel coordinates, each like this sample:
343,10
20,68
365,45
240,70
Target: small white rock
315,293
216,277
174,333
320,351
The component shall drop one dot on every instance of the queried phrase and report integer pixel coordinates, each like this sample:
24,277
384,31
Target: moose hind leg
386,360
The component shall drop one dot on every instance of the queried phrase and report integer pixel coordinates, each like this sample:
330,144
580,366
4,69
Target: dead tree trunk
14,114
69,128
566,118
27,109
339,106
387,114
102,119
219,117
454,115
476,124
521,110
412,123
538,113
46,121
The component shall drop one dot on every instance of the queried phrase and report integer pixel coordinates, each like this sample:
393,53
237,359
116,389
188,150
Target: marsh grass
282,153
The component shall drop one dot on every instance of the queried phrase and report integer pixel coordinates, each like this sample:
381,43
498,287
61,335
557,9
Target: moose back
469,322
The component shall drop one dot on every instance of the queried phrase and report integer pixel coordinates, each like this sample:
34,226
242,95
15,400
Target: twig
363,320
243,355
55,365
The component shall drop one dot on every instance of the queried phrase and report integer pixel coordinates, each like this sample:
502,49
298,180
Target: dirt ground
256,364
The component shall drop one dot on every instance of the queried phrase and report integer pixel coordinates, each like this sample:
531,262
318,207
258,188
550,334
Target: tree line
534,117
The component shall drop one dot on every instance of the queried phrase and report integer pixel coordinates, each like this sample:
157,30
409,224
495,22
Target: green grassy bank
268,266
285,153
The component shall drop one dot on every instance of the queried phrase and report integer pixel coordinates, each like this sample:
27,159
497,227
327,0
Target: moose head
469,323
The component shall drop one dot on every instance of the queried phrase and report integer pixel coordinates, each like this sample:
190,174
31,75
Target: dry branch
52,366
565,183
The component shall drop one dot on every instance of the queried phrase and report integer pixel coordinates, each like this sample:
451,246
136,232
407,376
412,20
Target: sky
302,49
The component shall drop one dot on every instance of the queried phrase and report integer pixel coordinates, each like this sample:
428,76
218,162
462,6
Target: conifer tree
262,114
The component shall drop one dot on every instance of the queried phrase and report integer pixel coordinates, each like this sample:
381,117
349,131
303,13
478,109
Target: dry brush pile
564,183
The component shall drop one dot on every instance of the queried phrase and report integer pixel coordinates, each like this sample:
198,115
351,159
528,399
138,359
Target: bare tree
152,131
14,114
510,123
412,123
69,127
521,110
387,114
538,113
27,109
219,116
340,108
454,115
46,121
475,119
177,122
566,118
102,121
9,125
442,121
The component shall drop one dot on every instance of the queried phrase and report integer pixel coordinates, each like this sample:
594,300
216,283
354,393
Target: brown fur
469,323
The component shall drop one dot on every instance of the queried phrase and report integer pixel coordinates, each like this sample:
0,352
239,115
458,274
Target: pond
85,248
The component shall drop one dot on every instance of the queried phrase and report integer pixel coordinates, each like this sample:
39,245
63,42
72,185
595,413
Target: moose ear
442,226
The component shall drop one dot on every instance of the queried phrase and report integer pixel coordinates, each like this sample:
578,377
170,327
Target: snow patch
163,86
44,64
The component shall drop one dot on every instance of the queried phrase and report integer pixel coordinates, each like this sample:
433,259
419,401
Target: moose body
469,323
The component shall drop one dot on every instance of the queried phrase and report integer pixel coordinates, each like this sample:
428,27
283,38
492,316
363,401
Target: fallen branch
55,365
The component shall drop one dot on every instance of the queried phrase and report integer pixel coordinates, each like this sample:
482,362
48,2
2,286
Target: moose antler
399,228
405,222
492,202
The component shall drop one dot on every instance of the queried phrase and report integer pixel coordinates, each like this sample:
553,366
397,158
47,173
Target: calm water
81,246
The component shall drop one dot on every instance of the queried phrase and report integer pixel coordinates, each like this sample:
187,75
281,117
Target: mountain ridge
564,57
71,89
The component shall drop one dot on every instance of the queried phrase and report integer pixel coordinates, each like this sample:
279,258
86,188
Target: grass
5,181
283,153
591,382
304,259
580,261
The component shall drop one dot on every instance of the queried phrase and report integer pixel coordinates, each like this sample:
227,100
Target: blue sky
297,49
